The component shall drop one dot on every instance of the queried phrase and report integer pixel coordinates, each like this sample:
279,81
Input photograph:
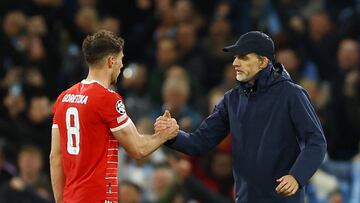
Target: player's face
117,66
246,66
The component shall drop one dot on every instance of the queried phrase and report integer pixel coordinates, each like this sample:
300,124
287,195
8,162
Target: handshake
166,127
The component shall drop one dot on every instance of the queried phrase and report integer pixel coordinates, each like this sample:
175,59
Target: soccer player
89,123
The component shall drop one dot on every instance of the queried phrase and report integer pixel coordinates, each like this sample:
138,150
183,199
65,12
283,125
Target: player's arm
56,169
139,146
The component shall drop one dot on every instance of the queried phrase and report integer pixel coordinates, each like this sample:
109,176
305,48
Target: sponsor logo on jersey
120,107
109,189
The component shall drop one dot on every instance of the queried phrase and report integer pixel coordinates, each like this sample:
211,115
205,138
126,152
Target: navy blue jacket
275,132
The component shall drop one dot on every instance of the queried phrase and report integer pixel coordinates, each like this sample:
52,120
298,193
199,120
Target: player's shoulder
111,93
70,89
110,100
104,94
108,94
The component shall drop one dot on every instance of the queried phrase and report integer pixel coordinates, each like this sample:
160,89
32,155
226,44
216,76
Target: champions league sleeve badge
120,107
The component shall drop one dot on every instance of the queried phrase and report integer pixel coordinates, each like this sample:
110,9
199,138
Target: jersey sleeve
113,112
55,117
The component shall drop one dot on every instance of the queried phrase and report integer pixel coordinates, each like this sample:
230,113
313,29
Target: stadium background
173,60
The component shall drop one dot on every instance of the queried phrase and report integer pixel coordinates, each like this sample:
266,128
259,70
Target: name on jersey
75,98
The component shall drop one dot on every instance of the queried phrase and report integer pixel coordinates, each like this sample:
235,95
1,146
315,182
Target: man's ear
264,62
110,61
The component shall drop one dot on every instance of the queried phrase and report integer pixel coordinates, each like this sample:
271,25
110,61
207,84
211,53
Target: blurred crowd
174,60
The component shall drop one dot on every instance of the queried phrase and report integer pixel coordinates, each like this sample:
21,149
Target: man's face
166,52
246,66
348,55
129,194
30,163
117,66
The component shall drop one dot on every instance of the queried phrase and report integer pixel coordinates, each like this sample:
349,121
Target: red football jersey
86,115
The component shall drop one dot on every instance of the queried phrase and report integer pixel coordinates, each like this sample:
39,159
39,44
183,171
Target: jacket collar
261,79
270,75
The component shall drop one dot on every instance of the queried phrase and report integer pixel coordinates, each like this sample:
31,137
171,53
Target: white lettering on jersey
75,98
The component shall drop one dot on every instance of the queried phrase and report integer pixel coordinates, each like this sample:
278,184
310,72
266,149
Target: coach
277,139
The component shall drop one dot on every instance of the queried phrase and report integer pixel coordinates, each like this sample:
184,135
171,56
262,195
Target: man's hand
166,126
17,184
288,185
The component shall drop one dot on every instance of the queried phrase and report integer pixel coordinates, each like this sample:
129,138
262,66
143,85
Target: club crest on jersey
120,107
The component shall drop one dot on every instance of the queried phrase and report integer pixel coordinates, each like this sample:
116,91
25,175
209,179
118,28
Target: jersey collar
87,82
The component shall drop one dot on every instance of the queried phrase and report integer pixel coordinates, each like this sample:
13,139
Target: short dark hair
31,149
100,44
132,184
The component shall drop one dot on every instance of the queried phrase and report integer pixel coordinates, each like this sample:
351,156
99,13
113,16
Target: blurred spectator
35,127
86,3
14,23
221,174
298,69
86,21
34,78
185,13
166,55
129,193
111,24
188,187
138,172
7,170
167,24
219,37
13,41
138,23
176,92
36,26
196,95
134,81
14,101
31,185
162,179
190,52
321,44
47,2
345,101
228,80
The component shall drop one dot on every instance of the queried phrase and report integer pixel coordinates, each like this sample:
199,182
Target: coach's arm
139,146
211,132
310,136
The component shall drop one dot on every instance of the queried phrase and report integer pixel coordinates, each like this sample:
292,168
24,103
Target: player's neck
98,75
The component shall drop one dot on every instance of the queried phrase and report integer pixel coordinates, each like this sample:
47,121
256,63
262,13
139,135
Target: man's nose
235,62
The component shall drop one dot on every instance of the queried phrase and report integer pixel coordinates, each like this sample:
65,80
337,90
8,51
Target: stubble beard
241,77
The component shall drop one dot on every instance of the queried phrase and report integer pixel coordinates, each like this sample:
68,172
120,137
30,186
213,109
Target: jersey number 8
73,131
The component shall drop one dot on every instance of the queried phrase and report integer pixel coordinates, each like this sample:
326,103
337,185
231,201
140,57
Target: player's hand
288,185
166,126
163,122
